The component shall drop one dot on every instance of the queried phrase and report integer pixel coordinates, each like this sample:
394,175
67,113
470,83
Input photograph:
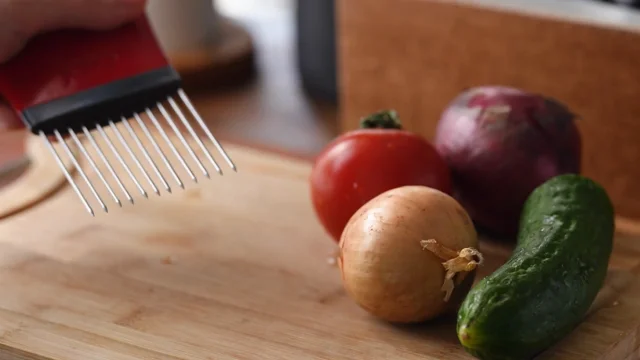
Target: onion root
455,262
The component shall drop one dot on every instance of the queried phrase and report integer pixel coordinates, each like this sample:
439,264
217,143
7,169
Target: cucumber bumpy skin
555,272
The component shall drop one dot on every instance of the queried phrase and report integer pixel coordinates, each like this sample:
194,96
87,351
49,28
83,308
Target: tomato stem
385,119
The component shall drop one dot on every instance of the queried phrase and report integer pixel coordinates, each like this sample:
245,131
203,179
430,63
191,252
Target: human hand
20,20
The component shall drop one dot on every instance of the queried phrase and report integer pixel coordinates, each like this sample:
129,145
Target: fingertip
88,14
9,120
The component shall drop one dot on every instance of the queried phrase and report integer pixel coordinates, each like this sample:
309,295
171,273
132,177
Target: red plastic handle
65,62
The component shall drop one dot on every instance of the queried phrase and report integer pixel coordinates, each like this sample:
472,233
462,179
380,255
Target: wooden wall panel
417,55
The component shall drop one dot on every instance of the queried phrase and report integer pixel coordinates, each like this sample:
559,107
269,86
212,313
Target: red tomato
361,164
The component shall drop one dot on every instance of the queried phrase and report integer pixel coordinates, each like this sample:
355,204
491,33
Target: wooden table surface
271,111
231,268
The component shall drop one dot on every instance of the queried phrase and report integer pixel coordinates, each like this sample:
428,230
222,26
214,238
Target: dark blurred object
632,3
316,47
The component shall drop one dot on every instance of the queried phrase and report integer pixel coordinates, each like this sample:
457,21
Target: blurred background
281,93
283,90
308,70
291,75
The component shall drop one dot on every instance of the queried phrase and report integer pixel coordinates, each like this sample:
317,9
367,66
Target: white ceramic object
184,25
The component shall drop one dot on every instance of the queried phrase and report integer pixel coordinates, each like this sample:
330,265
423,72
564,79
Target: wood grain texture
40,179
233,268
417,55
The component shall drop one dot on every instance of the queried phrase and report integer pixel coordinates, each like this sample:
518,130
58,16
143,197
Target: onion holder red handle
69,84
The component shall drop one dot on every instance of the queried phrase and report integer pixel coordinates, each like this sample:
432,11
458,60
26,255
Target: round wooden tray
41,178
228,61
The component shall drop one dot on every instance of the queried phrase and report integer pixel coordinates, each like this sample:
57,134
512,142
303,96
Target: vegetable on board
409,255
545,289
501,143
361,164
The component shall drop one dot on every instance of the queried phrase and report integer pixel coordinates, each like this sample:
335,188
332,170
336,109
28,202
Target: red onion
500,144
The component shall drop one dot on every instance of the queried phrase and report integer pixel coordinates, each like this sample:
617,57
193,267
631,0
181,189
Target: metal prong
79,168
93,164
158,149
66,172
184,142
170,143
107,163
135,138
120,159
185,122
196,115
133,156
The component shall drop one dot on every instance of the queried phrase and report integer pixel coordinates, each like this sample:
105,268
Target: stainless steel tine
107,163
79,168
93,164
205,128
66,173
177,154
147,133
135,138
120,159
195,136
184,142
133,156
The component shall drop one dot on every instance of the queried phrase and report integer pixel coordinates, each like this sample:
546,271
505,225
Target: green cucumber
555,272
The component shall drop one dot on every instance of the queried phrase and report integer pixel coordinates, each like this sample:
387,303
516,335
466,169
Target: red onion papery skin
500,144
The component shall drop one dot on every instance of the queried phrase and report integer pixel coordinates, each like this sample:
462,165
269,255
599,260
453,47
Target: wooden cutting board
233,268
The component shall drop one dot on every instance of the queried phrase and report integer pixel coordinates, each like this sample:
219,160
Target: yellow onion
409,254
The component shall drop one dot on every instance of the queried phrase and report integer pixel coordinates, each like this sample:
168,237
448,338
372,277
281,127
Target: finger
13,32
24,19
9,120
89,14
